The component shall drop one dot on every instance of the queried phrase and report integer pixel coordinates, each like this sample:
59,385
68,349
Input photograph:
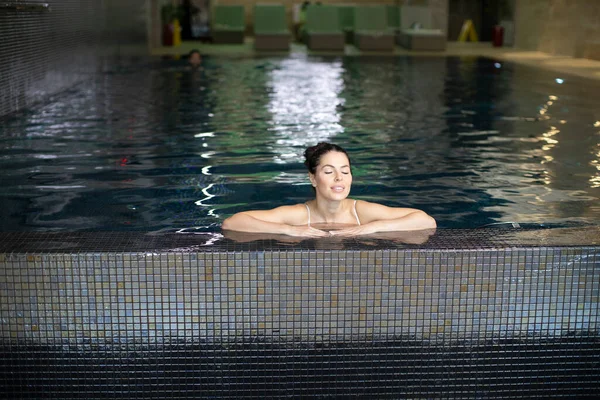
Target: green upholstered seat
393,17
229,18
229,24
323,29
371,28
270,19
270,27
346,13
323,19
371,19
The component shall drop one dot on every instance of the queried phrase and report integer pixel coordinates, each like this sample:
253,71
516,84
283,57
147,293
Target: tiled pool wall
47,50
234,321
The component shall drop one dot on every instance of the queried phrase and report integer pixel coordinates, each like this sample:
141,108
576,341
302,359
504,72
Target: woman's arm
285,220
379,218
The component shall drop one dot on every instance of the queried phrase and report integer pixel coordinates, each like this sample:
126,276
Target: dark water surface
157,146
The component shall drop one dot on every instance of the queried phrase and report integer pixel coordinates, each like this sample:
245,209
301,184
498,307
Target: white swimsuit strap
355,213
308,210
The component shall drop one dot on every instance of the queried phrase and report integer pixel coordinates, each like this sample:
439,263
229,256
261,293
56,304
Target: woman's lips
338,189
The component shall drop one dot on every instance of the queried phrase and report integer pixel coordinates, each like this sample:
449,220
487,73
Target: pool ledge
133,242
149,288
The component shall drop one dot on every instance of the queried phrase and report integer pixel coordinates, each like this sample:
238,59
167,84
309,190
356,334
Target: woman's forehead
334,158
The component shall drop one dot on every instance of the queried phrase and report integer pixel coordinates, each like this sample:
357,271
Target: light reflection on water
297,86
160,147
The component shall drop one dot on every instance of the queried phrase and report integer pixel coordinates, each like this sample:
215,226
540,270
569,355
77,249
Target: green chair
393,18
270,27
229,24
346,13
371,31
323,29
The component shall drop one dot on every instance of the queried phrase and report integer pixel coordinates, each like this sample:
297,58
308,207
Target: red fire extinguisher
497,36
167,35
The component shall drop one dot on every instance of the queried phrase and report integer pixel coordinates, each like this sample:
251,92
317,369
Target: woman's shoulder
293,207
371,211
361,203
294,214
289,214
298,208
286,209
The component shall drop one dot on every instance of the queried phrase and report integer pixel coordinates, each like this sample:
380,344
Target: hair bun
313,154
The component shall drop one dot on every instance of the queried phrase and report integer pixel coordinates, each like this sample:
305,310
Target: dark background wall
43,53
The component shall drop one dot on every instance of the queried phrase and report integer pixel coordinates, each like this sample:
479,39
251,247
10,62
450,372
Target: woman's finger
343,232
319,233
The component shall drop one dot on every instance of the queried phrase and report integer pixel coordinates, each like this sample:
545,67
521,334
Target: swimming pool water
155,146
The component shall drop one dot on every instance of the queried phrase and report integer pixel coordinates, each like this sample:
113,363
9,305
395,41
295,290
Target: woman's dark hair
314,153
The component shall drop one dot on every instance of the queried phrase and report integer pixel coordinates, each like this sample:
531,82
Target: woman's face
332,179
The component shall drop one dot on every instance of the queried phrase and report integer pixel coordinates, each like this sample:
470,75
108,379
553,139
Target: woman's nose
338,177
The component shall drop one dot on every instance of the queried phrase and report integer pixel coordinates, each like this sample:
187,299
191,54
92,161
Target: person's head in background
194,58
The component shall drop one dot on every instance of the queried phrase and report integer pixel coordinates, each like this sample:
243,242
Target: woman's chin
335,196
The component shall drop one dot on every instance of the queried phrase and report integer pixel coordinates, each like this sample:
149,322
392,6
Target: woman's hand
355,230
306,231
245,237
406,237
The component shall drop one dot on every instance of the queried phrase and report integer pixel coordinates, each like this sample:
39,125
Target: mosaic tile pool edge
457,317
313,295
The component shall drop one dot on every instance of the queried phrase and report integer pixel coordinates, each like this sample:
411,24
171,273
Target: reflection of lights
552,132
546,178
208,197
45,156
544,108
497,65
547,137
208,154
215,237
303,104
212,237
559,81
205,170
60,187
597,124
595,179
204,134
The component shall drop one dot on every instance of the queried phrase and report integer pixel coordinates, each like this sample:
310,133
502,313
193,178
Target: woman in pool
331,213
